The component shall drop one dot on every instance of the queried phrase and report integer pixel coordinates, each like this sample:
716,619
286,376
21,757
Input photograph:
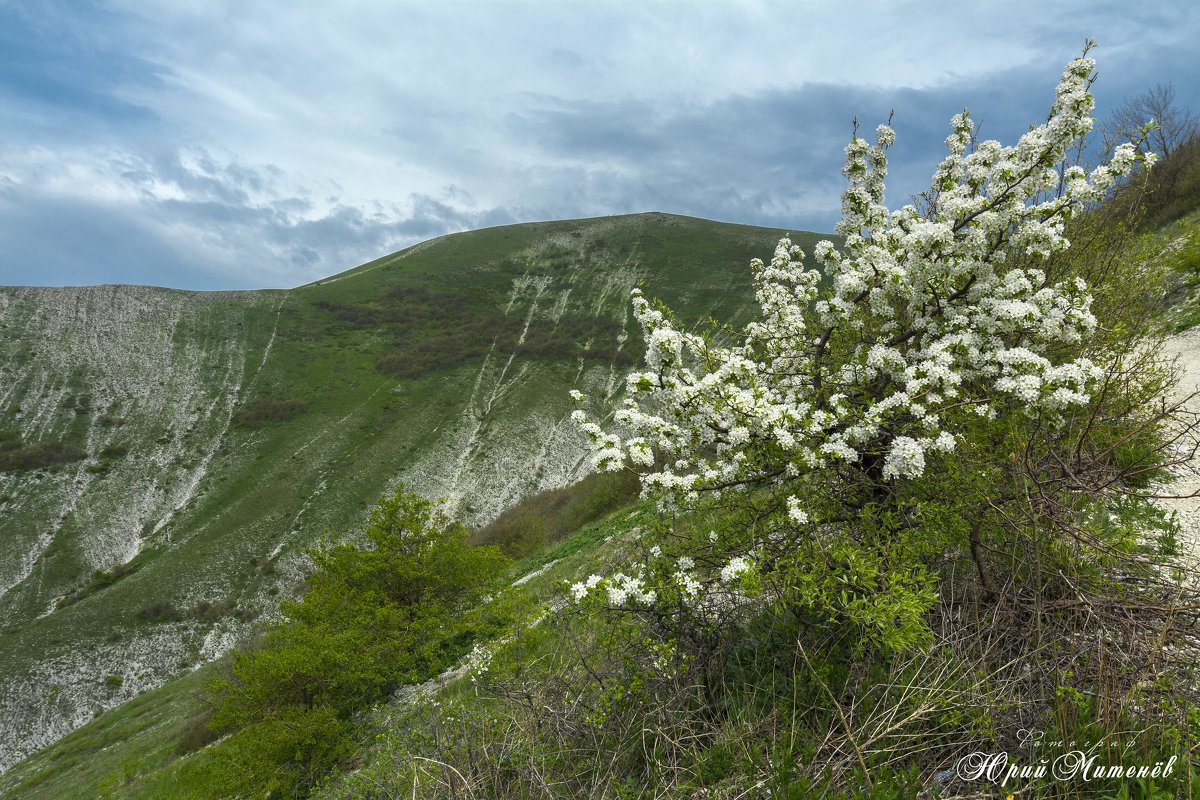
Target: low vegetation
15,455
160,611
263,410
532,525
100,579
211,612
434,330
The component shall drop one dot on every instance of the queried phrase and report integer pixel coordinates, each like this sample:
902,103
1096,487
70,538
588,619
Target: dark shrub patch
436,330
211,612
548,517
195,734
262,410
37,456
264,565
72,598
114,451
162,611
415,353
100,579
80,403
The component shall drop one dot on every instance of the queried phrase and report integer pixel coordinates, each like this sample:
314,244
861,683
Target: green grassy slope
202,510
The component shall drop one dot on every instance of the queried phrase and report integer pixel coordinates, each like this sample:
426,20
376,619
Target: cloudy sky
222,145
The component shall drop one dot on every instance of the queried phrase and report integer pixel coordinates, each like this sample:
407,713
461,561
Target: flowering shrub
930,342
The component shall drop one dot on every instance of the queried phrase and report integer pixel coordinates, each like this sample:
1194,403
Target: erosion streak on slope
337,425
250,384
477,418
549,454
560,305
231,391
29,560
59,694
186,490
553,451
295,526
618,278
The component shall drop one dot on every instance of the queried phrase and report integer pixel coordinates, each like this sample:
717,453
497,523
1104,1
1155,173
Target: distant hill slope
166,455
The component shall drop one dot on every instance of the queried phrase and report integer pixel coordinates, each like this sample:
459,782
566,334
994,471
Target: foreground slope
223,432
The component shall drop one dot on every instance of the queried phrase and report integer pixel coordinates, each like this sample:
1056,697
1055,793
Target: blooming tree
857,373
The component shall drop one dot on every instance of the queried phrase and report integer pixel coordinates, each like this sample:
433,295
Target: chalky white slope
153,370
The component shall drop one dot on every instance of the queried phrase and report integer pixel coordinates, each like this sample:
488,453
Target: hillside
170,453
563,697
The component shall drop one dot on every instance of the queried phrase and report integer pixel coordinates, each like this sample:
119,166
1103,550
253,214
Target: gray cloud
769,158
183,218
233,144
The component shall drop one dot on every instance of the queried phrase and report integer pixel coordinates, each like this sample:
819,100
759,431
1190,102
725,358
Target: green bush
281,756
377,614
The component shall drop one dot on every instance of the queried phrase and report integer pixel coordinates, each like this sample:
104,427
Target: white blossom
797,516
737,566
580,590
622,588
